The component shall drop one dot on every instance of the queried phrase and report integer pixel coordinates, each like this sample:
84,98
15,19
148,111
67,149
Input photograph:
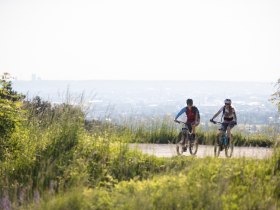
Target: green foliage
10,109
40,155
156,131
165,133
57,160
6,90
73,200
11,117
199,184
55,153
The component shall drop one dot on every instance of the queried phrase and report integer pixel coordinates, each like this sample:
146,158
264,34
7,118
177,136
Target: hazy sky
143,39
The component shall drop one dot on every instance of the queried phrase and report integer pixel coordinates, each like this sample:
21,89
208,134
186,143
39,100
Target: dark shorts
225,125
190,124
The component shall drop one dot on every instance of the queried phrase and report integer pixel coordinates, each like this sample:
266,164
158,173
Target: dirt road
169,150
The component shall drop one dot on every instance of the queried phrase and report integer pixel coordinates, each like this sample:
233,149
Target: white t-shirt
229,115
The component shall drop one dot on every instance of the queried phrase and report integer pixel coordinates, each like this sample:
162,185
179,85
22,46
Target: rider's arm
180,113
196,116
234,115
216,115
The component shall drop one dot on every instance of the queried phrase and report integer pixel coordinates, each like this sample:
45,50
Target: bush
10,109
200,184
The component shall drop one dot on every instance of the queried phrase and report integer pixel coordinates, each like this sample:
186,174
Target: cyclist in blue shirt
193,117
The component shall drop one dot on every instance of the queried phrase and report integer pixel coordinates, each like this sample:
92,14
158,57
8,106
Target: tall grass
57,160
52,152
165,131
187,183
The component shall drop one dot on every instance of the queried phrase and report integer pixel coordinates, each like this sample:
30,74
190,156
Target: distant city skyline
141,40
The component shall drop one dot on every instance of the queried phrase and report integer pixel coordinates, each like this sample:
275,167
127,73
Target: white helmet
228,101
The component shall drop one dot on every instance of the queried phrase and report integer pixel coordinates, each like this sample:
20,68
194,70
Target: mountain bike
186,141
223,142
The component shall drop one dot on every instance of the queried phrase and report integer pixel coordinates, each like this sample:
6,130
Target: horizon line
143,80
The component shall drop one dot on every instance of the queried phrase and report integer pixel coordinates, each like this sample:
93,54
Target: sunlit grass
54,161
186,183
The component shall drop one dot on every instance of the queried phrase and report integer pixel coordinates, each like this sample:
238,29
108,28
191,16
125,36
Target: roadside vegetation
51,158
165,131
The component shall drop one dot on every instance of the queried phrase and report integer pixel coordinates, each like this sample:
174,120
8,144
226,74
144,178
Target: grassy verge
186,183
164,131
52,162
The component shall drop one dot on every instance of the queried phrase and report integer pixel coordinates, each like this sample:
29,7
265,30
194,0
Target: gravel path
169,150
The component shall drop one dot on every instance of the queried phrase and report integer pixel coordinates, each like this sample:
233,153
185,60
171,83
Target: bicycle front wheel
193,146
217,147
181,147
229,149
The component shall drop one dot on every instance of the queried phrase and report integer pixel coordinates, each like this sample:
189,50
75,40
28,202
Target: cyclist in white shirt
229,117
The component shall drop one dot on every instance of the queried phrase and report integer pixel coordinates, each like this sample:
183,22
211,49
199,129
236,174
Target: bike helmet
228,101
190,102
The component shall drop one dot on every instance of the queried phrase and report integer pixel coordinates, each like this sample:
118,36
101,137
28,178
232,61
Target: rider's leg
228,132
182,140
219,137
194,124
180,137
222,129
193,131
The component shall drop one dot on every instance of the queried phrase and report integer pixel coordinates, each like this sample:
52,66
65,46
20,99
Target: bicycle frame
186,141
223,142
185,130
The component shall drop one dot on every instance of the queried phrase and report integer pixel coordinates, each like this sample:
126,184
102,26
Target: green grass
186,183
52,162
165,131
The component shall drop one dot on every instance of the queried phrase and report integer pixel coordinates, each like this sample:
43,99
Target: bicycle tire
217,146
193,147
229,148
181,147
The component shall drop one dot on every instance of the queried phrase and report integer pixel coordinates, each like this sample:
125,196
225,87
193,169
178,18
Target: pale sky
145,39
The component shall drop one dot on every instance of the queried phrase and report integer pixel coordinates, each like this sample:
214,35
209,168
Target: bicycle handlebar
180,122
215,122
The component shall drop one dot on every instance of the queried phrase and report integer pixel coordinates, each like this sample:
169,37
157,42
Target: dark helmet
190,102
227,101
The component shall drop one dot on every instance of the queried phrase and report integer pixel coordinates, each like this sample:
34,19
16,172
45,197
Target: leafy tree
10,107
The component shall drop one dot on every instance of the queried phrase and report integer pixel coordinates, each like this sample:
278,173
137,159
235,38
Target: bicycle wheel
229,148
193,146
181,147
217,146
